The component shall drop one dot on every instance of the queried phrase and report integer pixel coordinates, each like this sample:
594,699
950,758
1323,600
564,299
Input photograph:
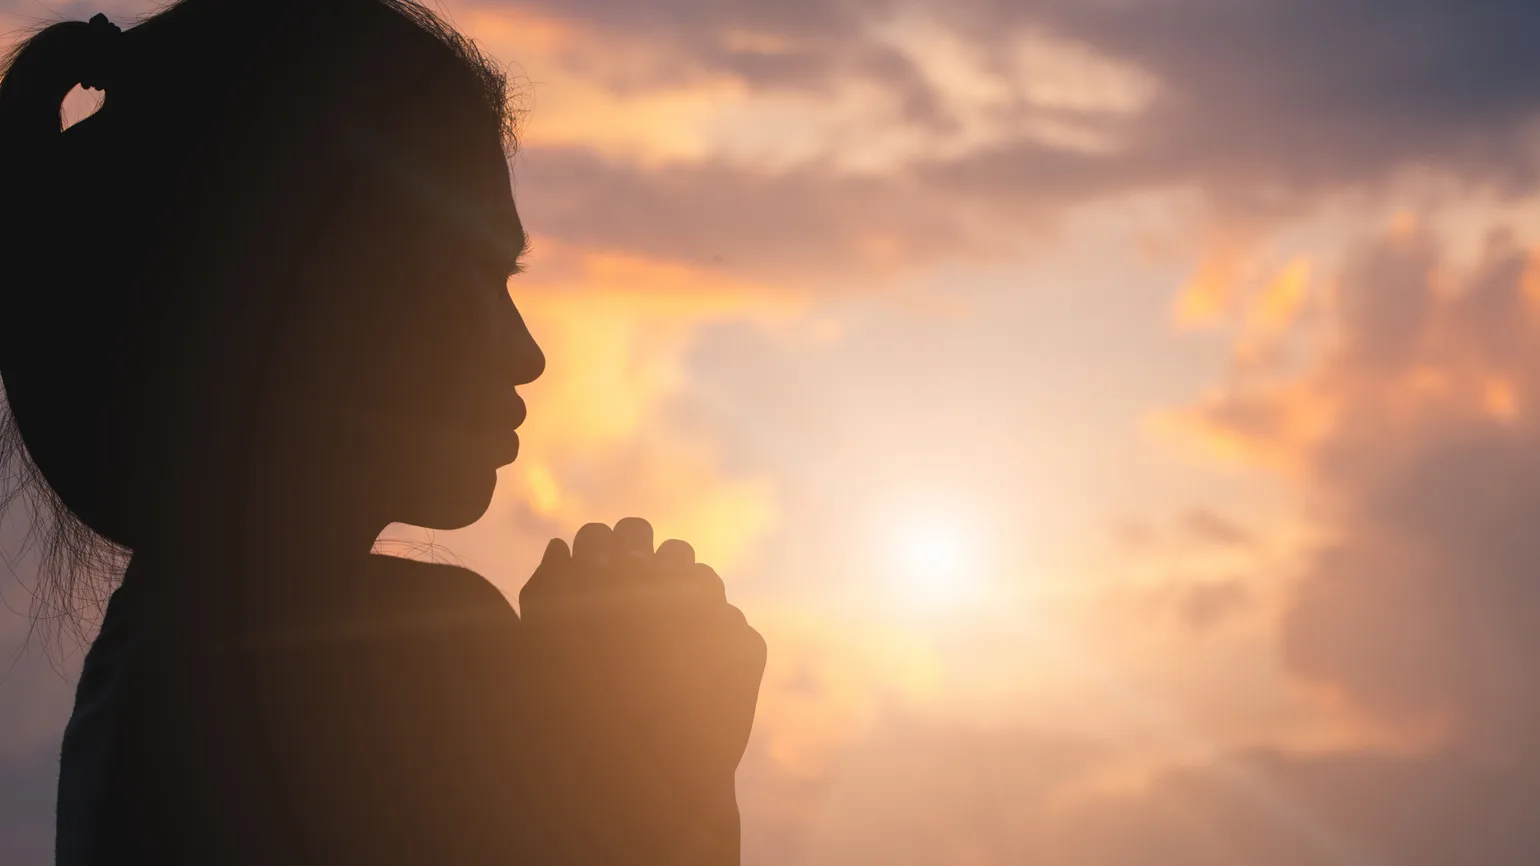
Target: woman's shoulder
387,604
436,584
433,595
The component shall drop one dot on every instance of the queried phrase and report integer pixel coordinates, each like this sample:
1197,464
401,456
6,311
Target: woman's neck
254,553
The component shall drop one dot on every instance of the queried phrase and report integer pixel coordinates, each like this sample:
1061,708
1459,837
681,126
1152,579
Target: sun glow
935,559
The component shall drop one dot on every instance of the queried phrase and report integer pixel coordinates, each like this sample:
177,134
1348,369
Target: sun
935,559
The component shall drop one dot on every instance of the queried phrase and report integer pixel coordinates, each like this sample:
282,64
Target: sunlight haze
1118,418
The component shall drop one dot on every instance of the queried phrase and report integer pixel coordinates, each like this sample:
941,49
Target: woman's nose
525,360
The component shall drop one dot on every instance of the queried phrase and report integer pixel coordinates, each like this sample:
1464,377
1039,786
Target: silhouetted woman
259,311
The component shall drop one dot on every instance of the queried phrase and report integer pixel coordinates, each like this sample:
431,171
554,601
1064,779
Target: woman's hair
211,112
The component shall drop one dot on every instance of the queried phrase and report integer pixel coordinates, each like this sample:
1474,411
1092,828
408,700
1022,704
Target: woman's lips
510,450
500,410
514,412
486,428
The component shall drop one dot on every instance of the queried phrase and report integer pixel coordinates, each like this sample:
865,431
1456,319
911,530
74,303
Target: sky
1119,416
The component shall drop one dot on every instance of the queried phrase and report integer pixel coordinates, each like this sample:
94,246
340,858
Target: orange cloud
1530,284
1500,398
1209,295
1275,308
599,443
1270,427
571,79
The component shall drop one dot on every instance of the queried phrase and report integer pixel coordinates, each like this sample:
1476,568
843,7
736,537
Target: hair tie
101,59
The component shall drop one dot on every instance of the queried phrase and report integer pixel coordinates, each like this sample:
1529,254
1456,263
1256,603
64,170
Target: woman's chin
453,499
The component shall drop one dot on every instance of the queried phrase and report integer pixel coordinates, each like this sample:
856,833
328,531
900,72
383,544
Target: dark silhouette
259,312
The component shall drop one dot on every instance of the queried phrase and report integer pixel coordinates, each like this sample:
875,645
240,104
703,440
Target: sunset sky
1119,416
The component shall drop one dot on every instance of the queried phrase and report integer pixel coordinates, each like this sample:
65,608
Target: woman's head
266,281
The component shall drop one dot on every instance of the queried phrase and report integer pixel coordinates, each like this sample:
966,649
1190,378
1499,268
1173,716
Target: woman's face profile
297,305
427,348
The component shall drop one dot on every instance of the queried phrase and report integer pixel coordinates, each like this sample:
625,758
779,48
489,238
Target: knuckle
710,582
677,551
752,642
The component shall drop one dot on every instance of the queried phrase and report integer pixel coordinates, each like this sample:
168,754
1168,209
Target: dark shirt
370,718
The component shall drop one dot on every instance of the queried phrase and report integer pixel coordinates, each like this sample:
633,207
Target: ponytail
41,71
75,566
37,76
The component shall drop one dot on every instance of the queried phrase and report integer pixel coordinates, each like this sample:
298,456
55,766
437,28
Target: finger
674,556
556,555
755,648
592,546
749,640
761,649
552,563
706,584
549,572
633,538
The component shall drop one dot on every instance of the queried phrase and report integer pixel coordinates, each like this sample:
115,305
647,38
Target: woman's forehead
466,182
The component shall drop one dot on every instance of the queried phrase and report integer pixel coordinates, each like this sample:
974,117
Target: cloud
1208,525
914,789
1204,605
1425,475
1420,606
1264,102
1427,70
1269,808
952,132
825,137
800,228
